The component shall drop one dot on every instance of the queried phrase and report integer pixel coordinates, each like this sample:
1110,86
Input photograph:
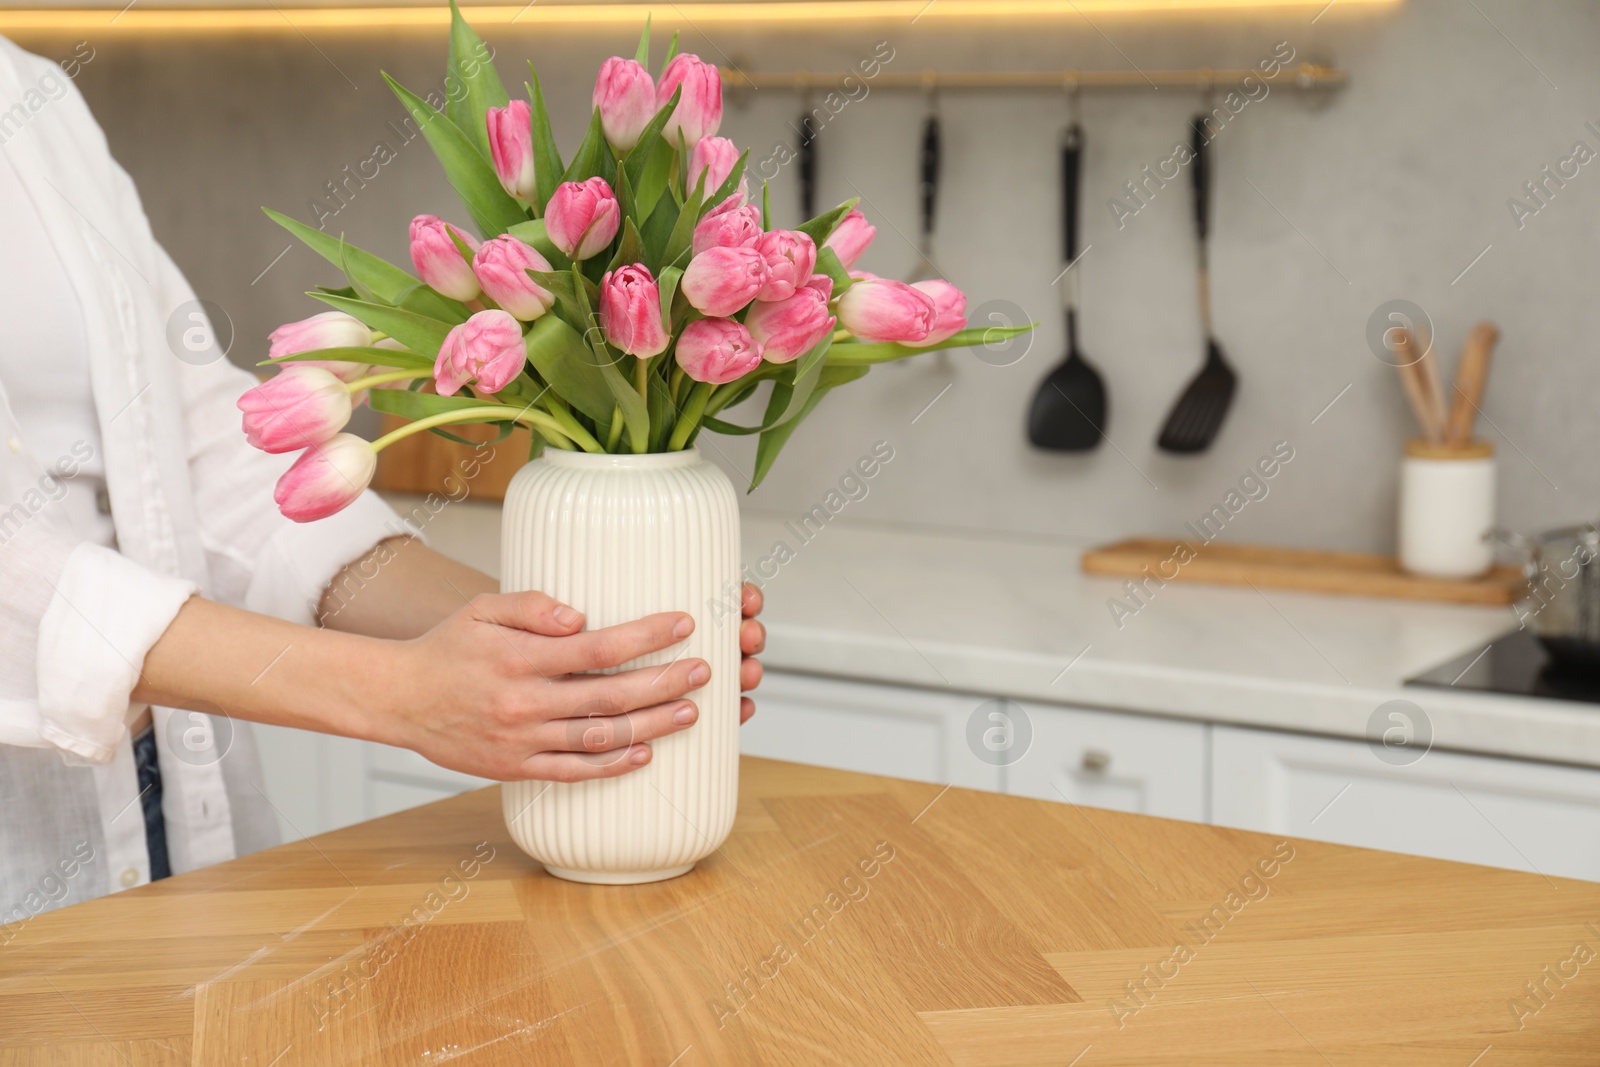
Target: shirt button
102,501
130,876
14,442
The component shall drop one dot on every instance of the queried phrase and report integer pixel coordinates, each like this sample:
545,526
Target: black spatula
1069,407
1196,418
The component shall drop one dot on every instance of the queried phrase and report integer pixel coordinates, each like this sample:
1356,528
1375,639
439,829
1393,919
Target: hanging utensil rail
1300,76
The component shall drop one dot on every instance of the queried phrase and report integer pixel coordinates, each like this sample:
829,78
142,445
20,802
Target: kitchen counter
848,919
1016,617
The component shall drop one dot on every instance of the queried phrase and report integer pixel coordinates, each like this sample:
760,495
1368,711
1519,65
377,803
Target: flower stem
487,413
615,433
574,429
381,379
692,410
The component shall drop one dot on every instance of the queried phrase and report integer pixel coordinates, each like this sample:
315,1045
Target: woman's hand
500,689
752,640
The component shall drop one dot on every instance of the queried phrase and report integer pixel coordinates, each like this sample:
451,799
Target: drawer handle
1096,760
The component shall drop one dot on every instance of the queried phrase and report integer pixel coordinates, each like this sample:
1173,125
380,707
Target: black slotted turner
1196,418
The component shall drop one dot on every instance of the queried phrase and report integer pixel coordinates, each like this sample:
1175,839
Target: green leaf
381,357
672,51
766,205
772,442
493,211
415,406
561,357
630,249
658,230
662,411
652,183
730,183
681,242
650,140
372,274
635,415
641,55
417,332
821,227
828,263
861,354
668,284
547,165
533,233
480,89
594,156
790,392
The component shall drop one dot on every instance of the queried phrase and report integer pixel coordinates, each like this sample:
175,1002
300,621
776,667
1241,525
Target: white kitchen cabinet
897,731
1137,763
1476,809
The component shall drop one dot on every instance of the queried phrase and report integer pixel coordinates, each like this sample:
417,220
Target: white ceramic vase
619,537
1447,508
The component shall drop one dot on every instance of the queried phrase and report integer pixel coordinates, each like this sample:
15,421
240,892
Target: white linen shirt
193,513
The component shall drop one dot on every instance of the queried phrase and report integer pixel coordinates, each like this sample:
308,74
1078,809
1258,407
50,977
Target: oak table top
848,919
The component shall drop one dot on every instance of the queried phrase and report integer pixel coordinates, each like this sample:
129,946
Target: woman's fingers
580,767
750,600
752,637
532,611
613,734
747,708
750,672
612,646
638,688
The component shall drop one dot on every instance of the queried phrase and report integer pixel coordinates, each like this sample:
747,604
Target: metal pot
1562,608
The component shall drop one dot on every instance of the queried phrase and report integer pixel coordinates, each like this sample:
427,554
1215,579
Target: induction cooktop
1517,665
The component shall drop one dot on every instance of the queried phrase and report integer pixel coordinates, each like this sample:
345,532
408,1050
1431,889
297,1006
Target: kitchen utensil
1196,417
1472,374
925,270
1069,407
807,164
1562,571
1413,379
1446,508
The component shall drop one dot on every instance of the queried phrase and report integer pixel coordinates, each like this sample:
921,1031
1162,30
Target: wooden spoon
1471,376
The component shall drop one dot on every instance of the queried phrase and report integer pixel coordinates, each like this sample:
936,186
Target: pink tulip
487,348
625,96
502,266
630,311
298,407
699,110
951,304
582,217
438,261
789,328
511,148
851,237
720,281
791,257
878,309
331,329
326,478
717,351
731,224
715,157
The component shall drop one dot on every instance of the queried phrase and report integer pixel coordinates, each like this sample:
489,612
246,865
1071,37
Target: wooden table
849,919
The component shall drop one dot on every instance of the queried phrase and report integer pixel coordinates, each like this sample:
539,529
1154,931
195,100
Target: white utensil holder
1447,508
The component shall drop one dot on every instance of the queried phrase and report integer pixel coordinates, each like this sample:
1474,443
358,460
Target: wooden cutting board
1308,570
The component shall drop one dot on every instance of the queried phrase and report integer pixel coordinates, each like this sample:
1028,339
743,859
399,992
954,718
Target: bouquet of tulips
616,302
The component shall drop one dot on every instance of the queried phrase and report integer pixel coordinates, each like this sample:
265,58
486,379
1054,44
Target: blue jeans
155,828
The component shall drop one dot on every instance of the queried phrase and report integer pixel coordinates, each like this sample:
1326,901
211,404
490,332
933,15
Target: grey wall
1388,189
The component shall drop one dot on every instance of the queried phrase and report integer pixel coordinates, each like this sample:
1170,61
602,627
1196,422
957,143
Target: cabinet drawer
1476,809
1128,762
859,726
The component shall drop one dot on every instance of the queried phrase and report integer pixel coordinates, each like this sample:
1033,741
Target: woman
143,568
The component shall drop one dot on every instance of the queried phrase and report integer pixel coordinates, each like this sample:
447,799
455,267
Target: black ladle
1069,407
1196,418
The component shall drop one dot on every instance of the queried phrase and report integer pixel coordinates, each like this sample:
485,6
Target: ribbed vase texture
618,538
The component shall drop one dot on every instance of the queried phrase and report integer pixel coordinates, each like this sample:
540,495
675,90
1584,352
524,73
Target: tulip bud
731,224
717,351
625,96
789,328
331,329
791,257
298,407
630,311
326,478
715,157
511,148
720,281
951,306
438,261
501,265
582,217
699,110
851,237
878,309
487,348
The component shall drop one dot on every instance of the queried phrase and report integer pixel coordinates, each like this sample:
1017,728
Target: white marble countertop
1015,617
